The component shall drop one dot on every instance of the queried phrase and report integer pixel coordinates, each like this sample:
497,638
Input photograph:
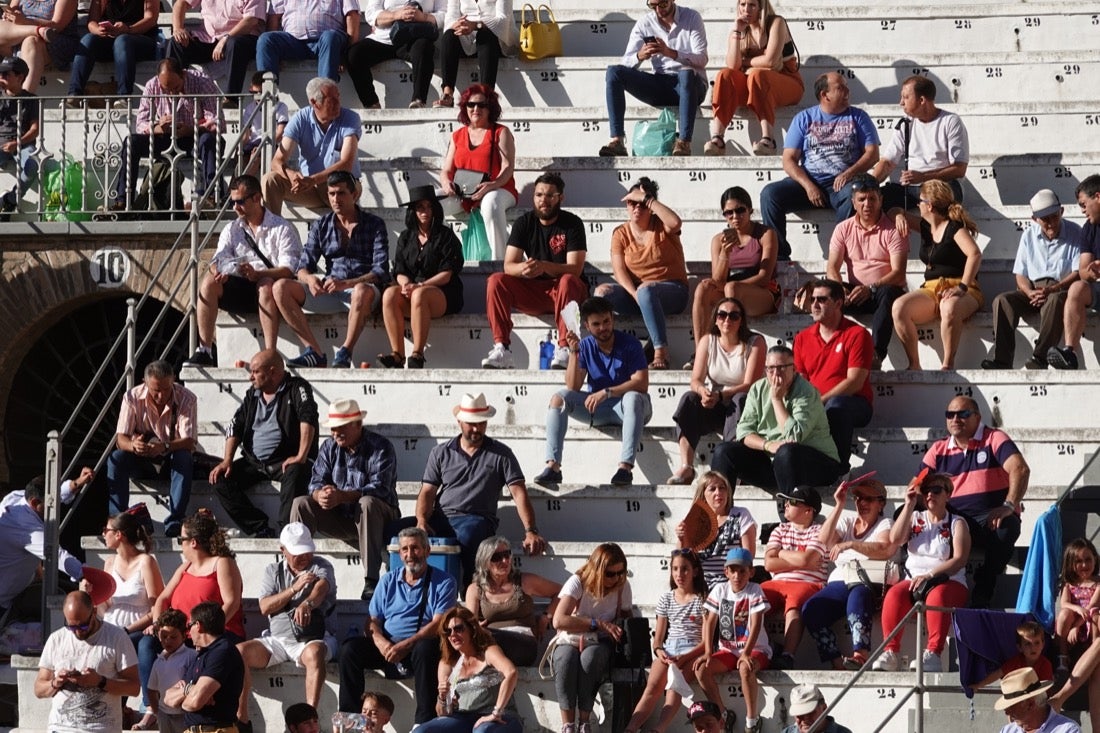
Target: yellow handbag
538,40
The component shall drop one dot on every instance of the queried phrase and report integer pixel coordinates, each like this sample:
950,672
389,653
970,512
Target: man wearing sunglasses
835,355
990,477
874,252
254,250
1045,268
783,438
1085,293
674,41
209,694
86,668
825,148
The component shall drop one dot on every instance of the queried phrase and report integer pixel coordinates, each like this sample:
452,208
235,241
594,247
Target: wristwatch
102,682
963,287
1010,505
592,624
531,530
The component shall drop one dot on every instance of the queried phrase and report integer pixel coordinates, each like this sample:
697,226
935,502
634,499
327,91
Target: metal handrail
917,609
128,338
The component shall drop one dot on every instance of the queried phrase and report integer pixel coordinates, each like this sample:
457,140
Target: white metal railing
99,153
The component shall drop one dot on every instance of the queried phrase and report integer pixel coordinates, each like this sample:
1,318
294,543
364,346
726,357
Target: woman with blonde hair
476,680
736,526
590,603
951,260
761,73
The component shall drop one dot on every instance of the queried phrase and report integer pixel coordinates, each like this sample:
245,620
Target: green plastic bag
655,137
475,240
63,190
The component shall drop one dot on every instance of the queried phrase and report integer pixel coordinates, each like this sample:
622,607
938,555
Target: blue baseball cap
739,556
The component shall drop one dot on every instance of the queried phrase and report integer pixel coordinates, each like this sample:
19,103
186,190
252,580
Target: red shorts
790,594
728,658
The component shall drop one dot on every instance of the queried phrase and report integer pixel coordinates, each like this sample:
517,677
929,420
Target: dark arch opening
57,370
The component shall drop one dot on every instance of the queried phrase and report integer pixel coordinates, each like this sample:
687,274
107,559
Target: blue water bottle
546,351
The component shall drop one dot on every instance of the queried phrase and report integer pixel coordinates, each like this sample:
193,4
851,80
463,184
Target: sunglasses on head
736,211
865,183
614,573
866,497
456,629
477,105
501,556
683,552
961,414
731,315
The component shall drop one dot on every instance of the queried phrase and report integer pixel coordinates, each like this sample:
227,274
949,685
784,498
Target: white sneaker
887,662
561,358
929,660
499,358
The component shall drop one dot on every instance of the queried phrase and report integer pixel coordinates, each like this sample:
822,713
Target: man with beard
542,271
462,481
835,355
353,492
87,667
402,635
615,367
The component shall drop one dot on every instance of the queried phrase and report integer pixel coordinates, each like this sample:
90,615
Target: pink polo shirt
867,252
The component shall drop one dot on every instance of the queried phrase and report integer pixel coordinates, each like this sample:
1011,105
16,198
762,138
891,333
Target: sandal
148,722
392,361
416,360
46,33
445,100
684,476
856,661
715,146
659,364
764,146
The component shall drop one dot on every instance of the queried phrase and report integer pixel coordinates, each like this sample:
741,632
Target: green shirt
807,424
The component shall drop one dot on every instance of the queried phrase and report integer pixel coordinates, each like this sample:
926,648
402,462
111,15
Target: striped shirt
685,622
976,469
729,536
156,103
308,19
789,536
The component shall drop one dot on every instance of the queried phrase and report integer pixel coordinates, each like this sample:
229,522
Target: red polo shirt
826,364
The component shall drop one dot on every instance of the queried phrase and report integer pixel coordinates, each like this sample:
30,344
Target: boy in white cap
462,482
1045,267
736,608
298,595
353,491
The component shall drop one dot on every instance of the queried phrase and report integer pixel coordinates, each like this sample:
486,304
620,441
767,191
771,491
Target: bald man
86,667
276,429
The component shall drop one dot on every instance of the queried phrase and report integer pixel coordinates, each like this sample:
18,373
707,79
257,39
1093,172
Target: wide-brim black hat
421,193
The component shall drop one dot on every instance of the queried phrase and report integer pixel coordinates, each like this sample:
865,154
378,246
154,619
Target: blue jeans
27,172
277,46
684,90
846,413
459,722
123,465
782,197
827,606
632,410
126,51
654,301
147,654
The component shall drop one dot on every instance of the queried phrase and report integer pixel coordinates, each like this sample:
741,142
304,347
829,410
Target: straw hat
474,408
1019,685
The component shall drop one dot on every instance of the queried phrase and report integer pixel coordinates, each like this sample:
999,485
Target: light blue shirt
397,604
318,149
1054,723
830,144
1039,257
687,37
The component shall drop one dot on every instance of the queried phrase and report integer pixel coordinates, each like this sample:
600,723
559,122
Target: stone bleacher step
461,341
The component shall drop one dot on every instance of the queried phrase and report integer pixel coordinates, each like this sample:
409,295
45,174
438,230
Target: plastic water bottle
788,282
546,351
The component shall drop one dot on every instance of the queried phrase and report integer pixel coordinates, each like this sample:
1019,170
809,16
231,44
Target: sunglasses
477,105
614,573
501,556
456,629
865,183
109,528
731,315
239,202
820,299
183,538
934,490
684,552
80,627
795,502
961,414
737,211
190,624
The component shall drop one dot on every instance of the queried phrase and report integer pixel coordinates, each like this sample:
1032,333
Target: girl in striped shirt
678,640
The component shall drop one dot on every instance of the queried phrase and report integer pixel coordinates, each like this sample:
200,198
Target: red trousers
533,296
898,602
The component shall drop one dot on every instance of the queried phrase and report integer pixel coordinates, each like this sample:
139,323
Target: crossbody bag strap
255,248
423,599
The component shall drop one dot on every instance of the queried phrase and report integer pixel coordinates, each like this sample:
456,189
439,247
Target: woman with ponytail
951,260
